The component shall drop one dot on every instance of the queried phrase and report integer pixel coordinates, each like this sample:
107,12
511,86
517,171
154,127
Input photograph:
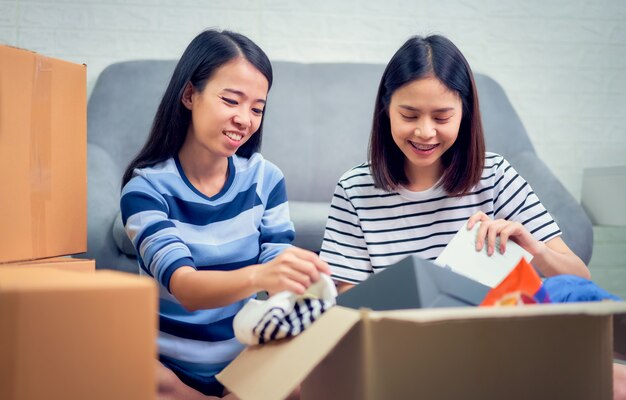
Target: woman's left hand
490,229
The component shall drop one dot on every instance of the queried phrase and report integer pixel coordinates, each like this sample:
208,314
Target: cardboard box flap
20,278
615,308
414,283
63,263
440,314
273,370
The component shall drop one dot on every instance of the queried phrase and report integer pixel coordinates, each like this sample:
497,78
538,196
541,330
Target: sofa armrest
566,211
103,198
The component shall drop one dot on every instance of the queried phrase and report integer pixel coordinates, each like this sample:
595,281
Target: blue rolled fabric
572,288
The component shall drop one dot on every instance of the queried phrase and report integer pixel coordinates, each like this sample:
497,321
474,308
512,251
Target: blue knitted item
572,288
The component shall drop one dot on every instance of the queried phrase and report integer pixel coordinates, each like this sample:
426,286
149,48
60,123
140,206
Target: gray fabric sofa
317,127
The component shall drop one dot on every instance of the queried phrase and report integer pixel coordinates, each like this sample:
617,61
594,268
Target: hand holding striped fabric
284,314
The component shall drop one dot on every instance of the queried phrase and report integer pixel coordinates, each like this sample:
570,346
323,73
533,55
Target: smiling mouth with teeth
424,147
234,136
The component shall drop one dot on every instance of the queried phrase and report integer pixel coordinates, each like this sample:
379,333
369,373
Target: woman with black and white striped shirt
429,174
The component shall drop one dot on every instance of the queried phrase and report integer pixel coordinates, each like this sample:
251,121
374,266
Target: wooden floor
608,262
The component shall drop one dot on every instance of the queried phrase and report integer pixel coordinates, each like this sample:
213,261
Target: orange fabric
519,287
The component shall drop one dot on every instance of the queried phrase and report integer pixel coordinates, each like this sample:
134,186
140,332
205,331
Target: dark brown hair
418,58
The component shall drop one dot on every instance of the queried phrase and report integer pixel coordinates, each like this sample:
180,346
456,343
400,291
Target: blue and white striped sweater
172,224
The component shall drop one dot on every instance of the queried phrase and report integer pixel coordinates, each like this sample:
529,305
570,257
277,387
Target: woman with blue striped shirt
207,214
429,174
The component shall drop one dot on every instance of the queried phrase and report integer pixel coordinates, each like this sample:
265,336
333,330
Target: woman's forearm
555,258
293,270
197,290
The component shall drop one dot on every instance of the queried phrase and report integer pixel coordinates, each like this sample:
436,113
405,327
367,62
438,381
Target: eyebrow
240,93
409,108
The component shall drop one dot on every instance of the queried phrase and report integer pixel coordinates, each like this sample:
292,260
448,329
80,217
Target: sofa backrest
122,105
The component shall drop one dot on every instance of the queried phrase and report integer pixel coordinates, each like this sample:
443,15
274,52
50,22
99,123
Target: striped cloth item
284,314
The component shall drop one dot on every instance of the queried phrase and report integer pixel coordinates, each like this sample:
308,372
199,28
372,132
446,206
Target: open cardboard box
562,351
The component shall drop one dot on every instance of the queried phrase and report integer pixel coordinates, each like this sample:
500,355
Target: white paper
460,256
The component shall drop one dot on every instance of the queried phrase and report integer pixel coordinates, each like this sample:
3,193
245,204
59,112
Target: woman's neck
205,171
423,178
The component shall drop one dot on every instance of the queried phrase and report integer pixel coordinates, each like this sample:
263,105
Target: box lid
24,278
414,283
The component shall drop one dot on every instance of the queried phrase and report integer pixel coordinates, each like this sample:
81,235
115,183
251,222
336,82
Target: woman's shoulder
358,181
498,171
494,162
255,162
359,174
151,174
492,158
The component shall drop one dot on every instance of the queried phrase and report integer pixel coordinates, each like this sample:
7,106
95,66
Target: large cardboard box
63,263
556,351
43,156
67,335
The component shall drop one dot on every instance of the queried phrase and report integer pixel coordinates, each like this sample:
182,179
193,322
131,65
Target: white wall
562,62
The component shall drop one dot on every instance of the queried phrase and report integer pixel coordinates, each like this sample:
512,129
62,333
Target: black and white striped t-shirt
369,229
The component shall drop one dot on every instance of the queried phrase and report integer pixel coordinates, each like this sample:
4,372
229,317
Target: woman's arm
555,257
294,270
551,258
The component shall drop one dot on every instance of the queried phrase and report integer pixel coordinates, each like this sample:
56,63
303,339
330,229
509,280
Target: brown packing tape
40,151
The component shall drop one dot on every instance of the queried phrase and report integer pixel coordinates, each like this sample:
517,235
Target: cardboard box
562,351
43,156
67,335
63,263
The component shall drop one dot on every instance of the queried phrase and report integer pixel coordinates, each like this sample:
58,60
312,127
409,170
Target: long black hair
207,52
421,57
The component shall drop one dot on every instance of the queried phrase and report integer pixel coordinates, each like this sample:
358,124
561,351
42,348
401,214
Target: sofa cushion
309,220
121,238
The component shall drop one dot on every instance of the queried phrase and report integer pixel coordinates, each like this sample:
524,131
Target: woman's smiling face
229,109
425,118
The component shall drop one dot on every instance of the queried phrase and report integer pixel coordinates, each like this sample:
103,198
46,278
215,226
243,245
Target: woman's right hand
294,269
